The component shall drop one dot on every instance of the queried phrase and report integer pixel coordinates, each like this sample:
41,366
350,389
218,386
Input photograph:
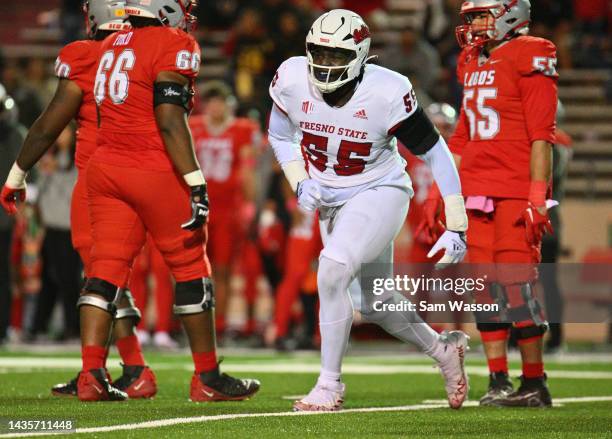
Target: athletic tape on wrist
195,178
16,177
454,208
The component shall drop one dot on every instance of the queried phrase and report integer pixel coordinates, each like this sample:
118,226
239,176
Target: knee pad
518,304
111,295
527,332
130,311
194,296
492,327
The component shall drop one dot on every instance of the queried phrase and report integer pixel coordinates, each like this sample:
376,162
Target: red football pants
80,227
150,261
124,204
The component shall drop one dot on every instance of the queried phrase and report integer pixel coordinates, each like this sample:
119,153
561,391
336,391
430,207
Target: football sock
533,370
93,357
130,351
204,361
497,365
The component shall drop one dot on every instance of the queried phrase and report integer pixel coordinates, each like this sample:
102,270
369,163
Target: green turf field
390,396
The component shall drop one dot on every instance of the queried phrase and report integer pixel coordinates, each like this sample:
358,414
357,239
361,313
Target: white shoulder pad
284,79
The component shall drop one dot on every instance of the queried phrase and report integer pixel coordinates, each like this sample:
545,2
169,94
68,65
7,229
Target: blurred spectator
37,75
552,19
593,47
61,269
12,136
71,20
251,70
219,14
414,57
290,39
27,100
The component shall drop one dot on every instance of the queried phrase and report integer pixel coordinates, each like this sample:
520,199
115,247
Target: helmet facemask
330,67
470,34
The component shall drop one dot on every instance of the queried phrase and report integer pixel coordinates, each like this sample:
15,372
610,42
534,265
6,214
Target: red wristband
537,193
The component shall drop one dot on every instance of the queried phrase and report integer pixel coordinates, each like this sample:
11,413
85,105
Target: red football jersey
509,101
78,62
128,67
220,157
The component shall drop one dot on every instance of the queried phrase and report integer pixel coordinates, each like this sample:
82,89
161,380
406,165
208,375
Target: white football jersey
350,146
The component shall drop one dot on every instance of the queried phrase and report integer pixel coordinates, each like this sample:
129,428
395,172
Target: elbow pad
173,93
417,133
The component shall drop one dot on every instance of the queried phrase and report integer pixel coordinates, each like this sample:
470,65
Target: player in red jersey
144,177
225,147
503,143
74,99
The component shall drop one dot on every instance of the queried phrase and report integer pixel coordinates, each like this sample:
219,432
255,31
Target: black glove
199,208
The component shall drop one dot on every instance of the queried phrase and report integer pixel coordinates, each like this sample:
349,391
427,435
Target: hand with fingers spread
454,246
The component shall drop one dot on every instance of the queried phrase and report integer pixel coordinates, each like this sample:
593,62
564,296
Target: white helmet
344,35
171,13
507,19
104,15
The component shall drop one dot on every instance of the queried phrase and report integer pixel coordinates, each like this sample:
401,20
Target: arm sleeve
180,53
283,137
443,168
539,96
461,135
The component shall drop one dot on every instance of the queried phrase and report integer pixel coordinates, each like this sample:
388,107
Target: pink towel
480,202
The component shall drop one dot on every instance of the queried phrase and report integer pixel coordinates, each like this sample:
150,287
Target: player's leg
516,263
118,235
183,251
494,335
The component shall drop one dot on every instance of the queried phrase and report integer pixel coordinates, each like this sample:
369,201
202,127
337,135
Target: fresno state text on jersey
350,145
130,62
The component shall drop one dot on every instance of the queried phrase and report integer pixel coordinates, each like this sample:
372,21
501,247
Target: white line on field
289,367
427,405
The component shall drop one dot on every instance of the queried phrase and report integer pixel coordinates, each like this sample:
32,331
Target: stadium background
242,44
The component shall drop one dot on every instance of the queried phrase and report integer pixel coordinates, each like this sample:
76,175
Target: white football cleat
324,397
452,367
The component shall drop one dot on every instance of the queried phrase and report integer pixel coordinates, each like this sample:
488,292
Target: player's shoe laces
500,386
93,385
324,397
137,382
216,386
533,392
66,389
452,367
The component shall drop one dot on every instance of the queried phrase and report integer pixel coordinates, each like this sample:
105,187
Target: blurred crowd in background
269,277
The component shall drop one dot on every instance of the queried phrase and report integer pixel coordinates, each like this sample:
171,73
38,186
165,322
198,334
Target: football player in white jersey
334,127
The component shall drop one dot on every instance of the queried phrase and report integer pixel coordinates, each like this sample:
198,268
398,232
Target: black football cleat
215,386
66,389
533,392
500,386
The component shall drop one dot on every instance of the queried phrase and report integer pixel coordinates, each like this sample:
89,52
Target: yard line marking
31,363
197,419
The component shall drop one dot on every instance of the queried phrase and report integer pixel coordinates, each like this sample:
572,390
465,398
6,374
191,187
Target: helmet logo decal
361,34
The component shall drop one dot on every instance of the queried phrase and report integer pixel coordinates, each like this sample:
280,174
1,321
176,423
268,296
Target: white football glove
309,194
455,246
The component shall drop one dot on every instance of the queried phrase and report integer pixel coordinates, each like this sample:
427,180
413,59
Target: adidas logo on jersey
361,114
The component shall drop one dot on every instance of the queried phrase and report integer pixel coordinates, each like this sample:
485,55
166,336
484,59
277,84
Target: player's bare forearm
457,159
172,123
173,126
61,110
541,161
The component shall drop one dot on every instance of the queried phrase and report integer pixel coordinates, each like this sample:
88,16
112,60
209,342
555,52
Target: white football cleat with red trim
326,396
452,367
